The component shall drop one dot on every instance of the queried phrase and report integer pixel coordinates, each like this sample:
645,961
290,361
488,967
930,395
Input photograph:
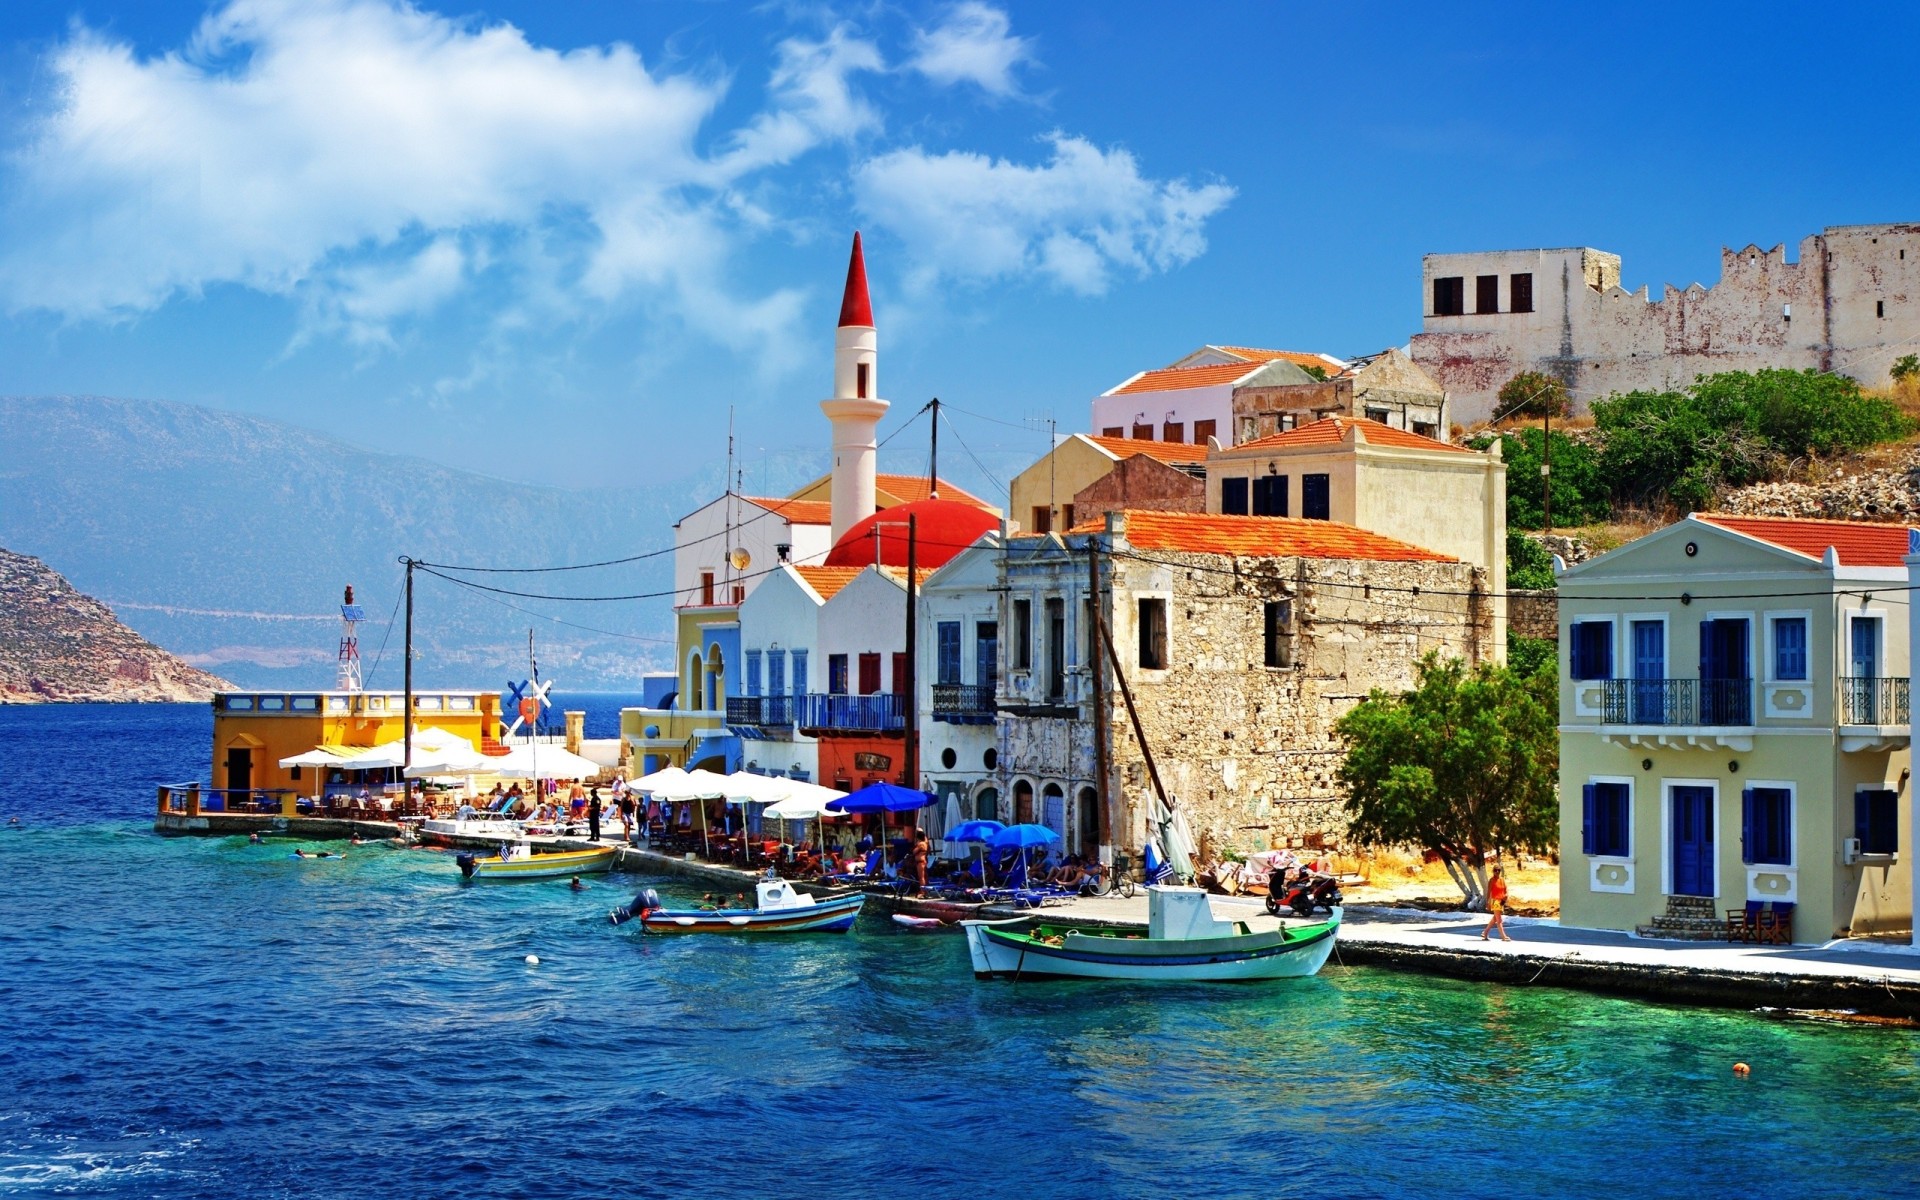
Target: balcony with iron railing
880,712
764,712
1671,702
963,703
1872,700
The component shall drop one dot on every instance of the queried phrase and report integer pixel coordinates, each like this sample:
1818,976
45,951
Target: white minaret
856,407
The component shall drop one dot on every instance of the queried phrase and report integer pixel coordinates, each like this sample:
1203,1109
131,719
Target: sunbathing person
1069,874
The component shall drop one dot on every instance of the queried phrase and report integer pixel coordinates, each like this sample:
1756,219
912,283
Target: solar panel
352,612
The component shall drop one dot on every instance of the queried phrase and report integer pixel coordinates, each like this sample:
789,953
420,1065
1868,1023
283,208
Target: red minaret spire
855,308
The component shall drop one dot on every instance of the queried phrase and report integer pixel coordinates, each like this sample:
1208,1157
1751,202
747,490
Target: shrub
1529,565
1580,492
1534,394
1906,366
1528,657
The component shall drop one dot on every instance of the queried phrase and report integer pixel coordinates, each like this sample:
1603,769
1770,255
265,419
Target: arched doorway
1089,805
696,683
1053,809
716,678
986,804
1022,802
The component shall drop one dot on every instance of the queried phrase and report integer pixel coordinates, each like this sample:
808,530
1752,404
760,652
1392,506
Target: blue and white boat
779,908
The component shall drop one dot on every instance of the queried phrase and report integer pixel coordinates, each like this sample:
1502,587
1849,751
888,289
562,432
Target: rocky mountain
228,539
57,644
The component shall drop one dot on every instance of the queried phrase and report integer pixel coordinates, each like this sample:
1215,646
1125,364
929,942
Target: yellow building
253,731
1734,729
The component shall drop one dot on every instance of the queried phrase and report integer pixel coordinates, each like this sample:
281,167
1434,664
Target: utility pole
1099,693
407,681
912,698
933,456
1546,470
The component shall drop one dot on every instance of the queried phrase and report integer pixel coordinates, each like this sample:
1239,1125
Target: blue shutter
1589,832
1862,807
753,672
799,672
1747,830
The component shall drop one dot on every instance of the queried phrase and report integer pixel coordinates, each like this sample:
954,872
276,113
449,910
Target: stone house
1387,387
1734,729
1046,496
1850,302
1191,399
1243,640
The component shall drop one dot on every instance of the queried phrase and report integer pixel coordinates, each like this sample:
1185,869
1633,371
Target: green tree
1533,394
1580,491
1464,764
1530,656
1529,564
1906,365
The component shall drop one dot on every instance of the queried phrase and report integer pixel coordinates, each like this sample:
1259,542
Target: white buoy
533,960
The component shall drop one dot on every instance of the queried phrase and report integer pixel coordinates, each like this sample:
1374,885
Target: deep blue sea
208,1018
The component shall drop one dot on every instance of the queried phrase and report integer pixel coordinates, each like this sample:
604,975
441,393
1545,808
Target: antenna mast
351,615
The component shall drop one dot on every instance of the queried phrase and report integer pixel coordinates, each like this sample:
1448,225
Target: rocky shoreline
58,645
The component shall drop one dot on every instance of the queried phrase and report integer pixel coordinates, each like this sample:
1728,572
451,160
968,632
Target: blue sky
556,242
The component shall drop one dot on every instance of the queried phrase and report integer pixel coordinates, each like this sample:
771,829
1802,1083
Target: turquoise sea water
208,1018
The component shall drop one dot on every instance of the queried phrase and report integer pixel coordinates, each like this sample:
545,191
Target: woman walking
1497,905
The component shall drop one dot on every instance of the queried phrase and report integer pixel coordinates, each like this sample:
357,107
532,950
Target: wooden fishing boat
519,862
1183,941
949,911
778,909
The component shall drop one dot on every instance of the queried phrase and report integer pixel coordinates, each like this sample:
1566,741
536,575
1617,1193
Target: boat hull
557,865
834,915
1113,953
948,911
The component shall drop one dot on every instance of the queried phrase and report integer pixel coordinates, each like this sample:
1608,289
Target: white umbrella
544,762
805,802
656,781
431,740
451,760
952,849
319,756
744,787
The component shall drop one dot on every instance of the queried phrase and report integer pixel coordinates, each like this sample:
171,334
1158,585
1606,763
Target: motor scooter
1303,894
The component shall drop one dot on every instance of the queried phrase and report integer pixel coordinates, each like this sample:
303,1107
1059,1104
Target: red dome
942,529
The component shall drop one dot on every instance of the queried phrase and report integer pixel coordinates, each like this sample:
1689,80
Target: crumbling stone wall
1249,750
1140,482
1534,613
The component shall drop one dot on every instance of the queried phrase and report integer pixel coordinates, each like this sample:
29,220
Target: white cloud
974,44
1073,220
812,82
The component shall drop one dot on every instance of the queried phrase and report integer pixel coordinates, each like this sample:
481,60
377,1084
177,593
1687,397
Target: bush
1580,492
1533,394
1733,429
1529,565
1529,657
1906,366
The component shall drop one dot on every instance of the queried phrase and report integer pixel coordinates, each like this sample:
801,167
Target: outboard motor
647,901
467,862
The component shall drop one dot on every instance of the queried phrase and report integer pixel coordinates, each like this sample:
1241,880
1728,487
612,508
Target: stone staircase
1687,919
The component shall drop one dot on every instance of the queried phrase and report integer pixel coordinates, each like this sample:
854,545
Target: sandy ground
1534,890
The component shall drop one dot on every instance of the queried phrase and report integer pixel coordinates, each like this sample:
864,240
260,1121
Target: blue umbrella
974,831
883,798
1024,836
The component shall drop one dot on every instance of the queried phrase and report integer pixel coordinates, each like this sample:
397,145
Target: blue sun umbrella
883,798
974,831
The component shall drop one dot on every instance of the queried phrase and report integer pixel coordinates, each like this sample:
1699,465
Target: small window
1376,414
1233,496
900,673
1449,296
460,703
1118,431
273,703
1766,825
1173,431
1316,497
1426,429
706,587
1270,496
860,380
947,668
1606,822
336,704
1066,515
1022,647
239,703
1202,430
1143,433
1486,294
1876,821
753,672
1278,635
869,674
1288,421
1153,635
1042,519
837,674
1249,429
1789,647
1590,652
306,704
427,703
1879,308
1520,292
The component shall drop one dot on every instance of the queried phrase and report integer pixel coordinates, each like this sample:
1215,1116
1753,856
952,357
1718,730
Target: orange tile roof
1170,379
1267,537
797,512
1166,452
1332,430
1299,358
914,487
828,580
1858,543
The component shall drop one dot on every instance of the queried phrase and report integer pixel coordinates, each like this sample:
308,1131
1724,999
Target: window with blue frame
1590,650
1789,647
1876,820
753,672
776,672
1766,825
837,674
799,672
949,657
1606,827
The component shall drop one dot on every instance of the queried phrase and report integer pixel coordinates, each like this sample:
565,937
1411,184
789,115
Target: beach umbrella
654,782
883,798
979,833
1023,838
953,820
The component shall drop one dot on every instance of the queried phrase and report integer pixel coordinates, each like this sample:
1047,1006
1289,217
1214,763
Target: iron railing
881,712
963,703
1873,700
776,711
1678,702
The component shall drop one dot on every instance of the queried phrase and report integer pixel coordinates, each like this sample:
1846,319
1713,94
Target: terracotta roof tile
914,487
1267,537
1299,358
1332,430
1170,379
1166,452
797,512
1858,543
828,581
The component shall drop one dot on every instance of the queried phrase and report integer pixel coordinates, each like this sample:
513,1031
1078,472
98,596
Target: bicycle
1118,878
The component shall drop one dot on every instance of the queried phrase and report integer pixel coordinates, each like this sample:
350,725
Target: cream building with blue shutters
1734,728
